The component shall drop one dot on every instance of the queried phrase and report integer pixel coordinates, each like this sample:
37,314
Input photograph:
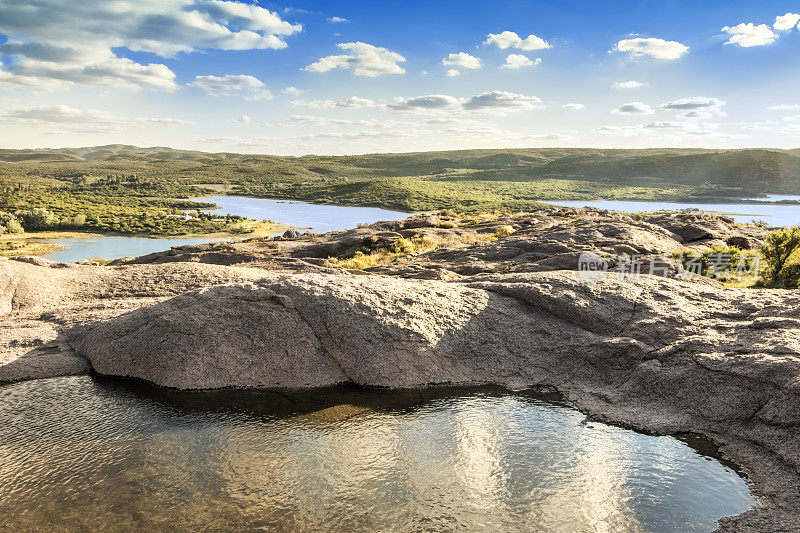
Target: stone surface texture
669,354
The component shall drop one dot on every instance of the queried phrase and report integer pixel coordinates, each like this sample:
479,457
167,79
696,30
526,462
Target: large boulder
293,331
692,227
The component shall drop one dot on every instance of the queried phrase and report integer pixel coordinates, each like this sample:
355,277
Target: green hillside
463,179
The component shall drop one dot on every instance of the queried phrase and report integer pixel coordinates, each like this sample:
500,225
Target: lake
324,218
313,217
772,215
86,453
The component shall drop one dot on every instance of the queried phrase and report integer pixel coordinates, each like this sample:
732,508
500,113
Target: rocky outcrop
39,301
654,353
543,241
293,331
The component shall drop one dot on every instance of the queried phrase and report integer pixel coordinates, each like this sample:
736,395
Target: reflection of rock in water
104,454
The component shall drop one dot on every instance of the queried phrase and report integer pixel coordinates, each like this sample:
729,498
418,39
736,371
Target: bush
724,263
781,253
37,218
9,223
14,226
78,221
503,231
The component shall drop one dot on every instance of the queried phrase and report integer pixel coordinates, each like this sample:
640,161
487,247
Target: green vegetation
781,256
465,180
106,205
16,247
133,190
399,249
728,264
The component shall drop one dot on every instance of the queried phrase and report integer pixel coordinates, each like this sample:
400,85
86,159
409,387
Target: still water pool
81,453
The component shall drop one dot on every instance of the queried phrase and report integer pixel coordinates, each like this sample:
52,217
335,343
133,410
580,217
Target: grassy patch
399,250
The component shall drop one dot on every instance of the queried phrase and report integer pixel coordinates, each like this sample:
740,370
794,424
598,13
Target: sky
362,77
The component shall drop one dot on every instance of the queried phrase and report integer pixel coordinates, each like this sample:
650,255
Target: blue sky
357,77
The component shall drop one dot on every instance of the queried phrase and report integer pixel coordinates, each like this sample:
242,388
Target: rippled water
77,453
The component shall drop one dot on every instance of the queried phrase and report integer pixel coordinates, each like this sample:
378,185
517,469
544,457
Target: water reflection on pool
77,453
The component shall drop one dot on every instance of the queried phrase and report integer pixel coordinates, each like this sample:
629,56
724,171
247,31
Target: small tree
13,226
9,223
779,269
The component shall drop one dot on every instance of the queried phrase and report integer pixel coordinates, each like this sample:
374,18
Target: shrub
724,263
9,223
78,221
781,253
14,226
37,218
503,231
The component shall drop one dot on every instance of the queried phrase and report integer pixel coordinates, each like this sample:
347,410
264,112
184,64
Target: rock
291,234
38,303
743,242
34,260
695,227
423,221
369,330
653,353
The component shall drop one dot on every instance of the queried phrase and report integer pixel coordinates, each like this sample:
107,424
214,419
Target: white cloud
634,108
463,60
509,39
337,20
244,119
291,91
452,73
695,114
80,121
670,129
695,106
787,22
310,119
56,43
784,107
431,102
747,35
248,87
632,84
355,102
352,102
657,48
573,106
363,59
502,100
515,61
52,67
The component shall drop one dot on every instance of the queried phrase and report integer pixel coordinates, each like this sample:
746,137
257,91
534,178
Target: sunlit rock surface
658,354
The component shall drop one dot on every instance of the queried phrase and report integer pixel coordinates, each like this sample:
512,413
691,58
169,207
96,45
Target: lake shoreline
300,215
